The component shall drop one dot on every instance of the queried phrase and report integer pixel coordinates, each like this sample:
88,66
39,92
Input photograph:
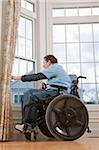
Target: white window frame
55,20
29,13
66,4
32,16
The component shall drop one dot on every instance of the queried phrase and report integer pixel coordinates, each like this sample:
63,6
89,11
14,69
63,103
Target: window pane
95,11
72,33
71,12
86,52
59,52
58,33
23,86
28,49
21,28
86,33
73,53
16,50
16,99
84,11
74,68
88,71
64,66
58,12
20,97
80,90
96,31
28,29
97,72
21,47
23,69
89,94
30,67
96,46
29,6
15,70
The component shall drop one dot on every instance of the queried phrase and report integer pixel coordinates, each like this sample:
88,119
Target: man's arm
16,77
31,77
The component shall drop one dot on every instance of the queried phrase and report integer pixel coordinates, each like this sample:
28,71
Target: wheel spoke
59,115
57,111
67,131
65,103
57,123
79,123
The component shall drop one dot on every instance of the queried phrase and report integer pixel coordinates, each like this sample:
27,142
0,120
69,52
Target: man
55,75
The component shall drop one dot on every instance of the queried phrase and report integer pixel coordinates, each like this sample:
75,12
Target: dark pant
30,98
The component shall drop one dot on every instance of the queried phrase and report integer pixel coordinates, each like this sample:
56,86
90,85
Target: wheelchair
64,117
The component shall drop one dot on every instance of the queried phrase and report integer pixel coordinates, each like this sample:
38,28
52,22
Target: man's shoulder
56,65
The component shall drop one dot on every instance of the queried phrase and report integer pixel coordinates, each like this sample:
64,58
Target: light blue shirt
57,76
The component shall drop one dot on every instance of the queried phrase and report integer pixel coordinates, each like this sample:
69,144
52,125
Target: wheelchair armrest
59,87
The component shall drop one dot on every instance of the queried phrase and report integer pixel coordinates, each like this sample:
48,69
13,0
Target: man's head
49,60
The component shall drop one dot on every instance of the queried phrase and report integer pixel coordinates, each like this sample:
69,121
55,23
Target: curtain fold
8,52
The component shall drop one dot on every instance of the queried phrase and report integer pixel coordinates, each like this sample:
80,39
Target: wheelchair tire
43,128
67,117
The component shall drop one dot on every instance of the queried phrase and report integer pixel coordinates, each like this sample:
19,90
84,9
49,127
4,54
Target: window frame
67,20
63,4
31,16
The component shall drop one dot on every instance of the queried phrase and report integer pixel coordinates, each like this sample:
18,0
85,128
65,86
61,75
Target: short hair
52,58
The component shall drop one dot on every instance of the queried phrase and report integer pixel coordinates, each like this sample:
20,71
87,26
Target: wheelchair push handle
80,77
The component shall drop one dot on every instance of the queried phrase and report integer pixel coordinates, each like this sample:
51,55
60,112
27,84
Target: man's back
57,76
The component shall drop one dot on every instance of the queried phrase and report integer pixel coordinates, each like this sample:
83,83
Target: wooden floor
80,144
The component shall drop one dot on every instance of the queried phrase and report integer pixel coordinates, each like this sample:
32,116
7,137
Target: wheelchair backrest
73,77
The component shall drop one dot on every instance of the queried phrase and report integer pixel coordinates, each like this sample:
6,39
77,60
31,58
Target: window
28,5
76,44
25,38
90,11
24,62
17,99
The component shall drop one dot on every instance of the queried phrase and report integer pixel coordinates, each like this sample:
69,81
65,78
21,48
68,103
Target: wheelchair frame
72,119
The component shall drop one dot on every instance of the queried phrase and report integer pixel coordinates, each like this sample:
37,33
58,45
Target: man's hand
12,77
16,77
42,85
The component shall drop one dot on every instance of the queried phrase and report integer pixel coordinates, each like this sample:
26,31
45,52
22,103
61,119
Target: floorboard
80,144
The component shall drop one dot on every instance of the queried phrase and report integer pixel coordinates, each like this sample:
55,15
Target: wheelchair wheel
67,117
43,128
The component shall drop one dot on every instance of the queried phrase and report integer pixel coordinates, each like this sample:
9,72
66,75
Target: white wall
43,20
42,33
